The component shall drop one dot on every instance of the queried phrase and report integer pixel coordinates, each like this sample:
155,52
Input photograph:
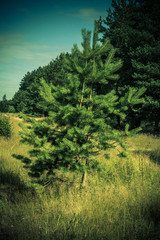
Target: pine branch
109,58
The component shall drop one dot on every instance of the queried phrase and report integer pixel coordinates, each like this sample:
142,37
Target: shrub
11,109
5,126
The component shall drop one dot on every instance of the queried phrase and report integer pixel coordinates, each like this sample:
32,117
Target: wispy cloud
15,47
17,57
88,14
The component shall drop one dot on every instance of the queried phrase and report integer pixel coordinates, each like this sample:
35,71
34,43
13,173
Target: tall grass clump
5,126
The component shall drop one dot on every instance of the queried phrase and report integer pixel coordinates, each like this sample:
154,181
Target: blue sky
32,33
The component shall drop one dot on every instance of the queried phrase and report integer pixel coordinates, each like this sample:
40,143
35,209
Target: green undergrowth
5,126
120,202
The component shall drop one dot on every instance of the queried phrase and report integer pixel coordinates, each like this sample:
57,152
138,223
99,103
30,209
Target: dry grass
120,202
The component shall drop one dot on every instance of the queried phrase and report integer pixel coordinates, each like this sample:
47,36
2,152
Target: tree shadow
8,177
11,184
154,155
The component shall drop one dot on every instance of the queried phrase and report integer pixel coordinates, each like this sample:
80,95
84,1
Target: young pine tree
81,122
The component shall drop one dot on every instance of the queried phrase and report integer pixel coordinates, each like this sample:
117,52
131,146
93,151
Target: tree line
133,30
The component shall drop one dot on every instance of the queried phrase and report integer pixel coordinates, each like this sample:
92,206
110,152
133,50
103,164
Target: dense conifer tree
145,61
81,122
4,104
133,27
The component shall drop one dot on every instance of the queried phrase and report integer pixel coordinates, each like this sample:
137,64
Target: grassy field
120,202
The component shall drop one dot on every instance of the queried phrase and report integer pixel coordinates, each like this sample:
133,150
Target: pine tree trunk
84,179
83,89
82,94
90,96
